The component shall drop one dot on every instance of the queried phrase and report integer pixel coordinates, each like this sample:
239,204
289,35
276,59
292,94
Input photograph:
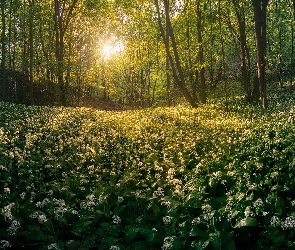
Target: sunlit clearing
111,49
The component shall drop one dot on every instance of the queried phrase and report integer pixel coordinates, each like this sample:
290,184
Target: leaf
142,245
88,243
230,246
72,245
110,239
151,235
156,209
274,235
198,232
81,226
35,233
247,222
130,232
111,229
178,244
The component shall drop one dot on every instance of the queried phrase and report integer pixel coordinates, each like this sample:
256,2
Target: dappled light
147,125
111,49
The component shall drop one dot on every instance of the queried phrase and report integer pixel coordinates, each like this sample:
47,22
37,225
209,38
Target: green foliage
215,177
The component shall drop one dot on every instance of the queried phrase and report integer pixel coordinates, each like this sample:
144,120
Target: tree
3,50
200,21
63,13
260,7
174,59
244,49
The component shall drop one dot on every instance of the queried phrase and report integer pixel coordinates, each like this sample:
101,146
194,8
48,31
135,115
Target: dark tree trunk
62,17
260,7
244,51
174,61
3,52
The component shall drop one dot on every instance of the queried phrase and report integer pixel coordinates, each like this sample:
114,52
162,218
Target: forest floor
215,177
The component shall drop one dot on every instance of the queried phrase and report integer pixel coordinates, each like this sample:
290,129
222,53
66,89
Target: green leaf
110,239
247,222
198,232
142,245
230,246
111,229
178,244
130,232
73,245
274,235
81,226
151,235
156,209
88,243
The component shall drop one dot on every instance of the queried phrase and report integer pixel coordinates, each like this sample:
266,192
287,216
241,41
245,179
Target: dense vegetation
215,177
143,53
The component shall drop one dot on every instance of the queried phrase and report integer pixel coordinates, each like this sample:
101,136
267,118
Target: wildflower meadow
215,177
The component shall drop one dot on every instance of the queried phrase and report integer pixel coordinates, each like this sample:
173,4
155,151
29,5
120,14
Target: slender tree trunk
222,53
31,39
193,83
244,51
292,54
174,61
3,53
62,17
260,31
201,54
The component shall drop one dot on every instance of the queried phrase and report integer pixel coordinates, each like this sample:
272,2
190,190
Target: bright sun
110,49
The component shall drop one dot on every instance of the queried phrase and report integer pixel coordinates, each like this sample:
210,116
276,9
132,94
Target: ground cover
216,177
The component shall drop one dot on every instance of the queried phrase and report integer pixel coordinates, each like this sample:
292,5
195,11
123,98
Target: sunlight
109,49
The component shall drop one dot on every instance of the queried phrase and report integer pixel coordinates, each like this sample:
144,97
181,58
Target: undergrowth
215,177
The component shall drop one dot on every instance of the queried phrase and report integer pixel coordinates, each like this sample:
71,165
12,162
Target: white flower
39,204
158,192
168,242
13,228
6,212
288,223
5,244
42,218
167,220
34,215
74,212
258,203
196,221
116,219
114,248
166,203
53,246
7,190
275,221
120,199
22,195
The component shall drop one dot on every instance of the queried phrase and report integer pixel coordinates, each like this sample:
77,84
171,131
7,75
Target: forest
144,53
147,125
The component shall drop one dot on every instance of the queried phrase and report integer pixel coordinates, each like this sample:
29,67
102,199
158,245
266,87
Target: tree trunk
201,54
222,53
174,61
31,31
3,53
260,32
62,17
244,51
192,81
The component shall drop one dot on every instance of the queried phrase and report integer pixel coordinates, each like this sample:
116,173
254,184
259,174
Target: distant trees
172,49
